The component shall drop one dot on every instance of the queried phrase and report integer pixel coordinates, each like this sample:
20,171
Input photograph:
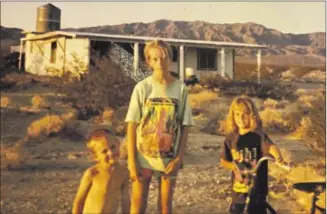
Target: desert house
51,51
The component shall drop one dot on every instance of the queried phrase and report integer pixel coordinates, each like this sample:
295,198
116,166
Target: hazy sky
288,17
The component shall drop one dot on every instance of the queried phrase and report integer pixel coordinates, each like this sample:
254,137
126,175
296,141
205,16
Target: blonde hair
162,45
248,104
97,135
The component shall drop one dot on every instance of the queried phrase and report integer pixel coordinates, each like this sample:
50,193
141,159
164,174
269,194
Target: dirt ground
48,182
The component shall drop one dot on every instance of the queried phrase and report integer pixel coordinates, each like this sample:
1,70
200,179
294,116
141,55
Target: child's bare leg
140,190
165,194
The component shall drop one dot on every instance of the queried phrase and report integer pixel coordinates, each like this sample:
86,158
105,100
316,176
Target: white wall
77,55
72,56
38,54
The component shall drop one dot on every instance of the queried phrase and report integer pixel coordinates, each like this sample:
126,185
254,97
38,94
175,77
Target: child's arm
226,164
125,198
275,152
82,192
131,147
272,149
175,164
182,146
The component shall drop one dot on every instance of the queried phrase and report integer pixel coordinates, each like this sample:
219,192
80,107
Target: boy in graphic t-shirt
158,118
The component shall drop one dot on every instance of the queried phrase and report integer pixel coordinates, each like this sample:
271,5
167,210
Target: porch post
222,62
259,64
136,57
181,63
20,55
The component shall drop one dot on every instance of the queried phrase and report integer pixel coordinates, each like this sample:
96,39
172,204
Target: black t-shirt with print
246,148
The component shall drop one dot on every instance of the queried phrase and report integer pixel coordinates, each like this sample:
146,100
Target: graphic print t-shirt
245,151
160,111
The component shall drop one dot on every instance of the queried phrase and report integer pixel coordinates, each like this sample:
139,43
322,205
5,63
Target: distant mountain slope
9,37
293,48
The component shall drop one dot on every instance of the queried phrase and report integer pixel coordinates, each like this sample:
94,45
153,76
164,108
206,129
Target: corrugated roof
143,39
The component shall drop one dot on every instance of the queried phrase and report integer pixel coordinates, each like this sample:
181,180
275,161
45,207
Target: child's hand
238,175
134,175
173,166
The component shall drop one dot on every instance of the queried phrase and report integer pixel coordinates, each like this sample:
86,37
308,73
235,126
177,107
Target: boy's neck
243,131
106,166
162,77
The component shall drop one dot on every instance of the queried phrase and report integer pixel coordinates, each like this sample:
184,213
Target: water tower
48,18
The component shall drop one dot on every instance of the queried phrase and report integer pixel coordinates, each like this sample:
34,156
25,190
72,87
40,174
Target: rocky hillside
295,48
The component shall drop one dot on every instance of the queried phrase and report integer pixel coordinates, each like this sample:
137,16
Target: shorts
147,173
257,204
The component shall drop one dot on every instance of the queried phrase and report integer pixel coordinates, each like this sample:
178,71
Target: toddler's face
242,117
158,61
106,151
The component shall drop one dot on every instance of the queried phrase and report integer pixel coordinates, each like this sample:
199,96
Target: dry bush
44,127
315,76
312,125
317,128
245,71
12,157
300,92
104,86
221,128
215,113
307,100
274,90
211,80
193,89
276,120
275,104
17,81
300,71
118,121
5,102
202,97
302,130
39,102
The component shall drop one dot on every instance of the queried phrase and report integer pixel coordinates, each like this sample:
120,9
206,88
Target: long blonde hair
248,104
162,45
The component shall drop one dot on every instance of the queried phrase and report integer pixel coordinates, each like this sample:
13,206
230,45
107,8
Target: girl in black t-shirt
245,144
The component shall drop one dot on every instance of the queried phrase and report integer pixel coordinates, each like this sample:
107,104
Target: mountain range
283,48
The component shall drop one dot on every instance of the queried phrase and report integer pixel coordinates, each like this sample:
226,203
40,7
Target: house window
53,52
207,59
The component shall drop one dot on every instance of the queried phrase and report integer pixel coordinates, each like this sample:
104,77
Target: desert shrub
193,89
317,128
5,101
300,71
44,127
12,157
245,71
274,90
104,86
202,97
17,81
274,120
316,76
39,102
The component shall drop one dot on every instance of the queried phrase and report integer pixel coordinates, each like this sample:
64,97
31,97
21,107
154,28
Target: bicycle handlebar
266,158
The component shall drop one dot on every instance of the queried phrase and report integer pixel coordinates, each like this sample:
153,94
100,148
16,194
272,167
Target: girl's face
158,61
242,117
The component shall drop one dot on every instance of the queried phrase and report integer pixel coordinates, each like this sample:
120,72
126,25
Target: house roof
143,39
